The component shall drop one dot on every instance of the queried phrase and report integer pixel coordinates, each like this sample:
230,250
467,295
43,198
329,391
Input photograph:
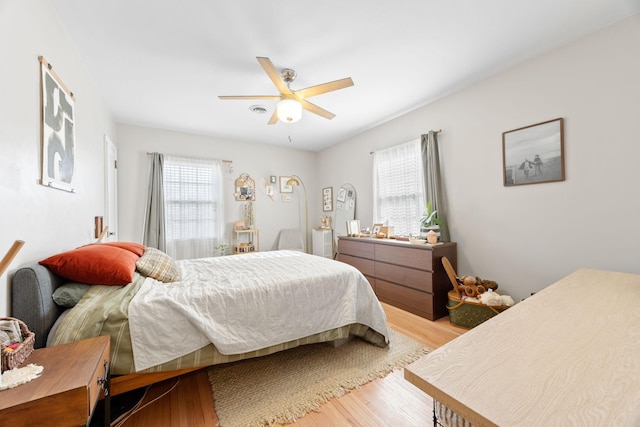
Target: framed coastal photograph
284,188
534,154
327,199
375,229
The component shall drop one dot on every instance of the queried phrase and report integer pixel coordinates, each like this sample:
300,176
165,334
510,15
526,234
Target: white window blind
399,187
194,210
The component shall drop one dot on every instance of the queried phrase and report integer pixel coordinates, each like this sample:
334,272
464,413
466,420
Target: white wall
48,220
527,237
258,160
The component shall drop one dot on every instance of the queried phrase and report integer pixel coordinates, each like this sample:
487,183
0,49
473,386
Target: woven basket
13,359
468,314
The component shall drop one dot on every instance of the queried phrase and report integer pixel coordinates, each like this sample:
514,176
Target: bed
568,355
288,299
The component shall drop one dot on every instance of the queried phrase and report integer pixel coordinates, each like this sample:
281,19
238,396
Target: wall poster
58,136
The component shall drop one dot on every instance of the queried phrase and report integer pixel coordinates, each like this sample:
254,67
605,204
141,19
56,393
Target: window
399,187
194,210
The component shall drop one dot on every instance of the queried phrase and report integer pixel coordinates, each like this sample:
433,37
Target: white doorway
111,190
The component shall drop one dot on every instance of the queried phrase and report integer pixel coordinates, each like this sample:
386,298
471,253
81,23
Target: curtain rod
224,161
435,131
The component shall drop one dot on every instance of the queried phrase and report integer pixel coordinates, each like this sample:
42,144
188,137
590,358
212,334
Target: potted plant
430,221
221,249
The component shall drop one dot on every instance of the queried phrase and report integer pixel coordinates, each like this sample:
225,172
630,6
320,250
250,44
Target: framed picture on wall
58,131
327,199
284,188
534,154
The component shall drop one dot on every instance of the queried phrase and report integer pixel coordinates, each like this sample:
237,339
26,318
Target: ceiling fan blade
274,118
313,108
324,88
274,75
265,97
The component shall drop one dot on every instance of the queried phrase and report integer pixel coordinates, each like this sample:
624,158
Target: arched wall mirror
345,210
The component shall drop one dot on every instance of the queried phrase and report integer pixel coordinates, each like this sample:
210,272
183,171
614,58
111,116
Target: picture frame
342,195
245,188
353,228
327,199
286,197
59,160
273,179
375,228
284,188
534,154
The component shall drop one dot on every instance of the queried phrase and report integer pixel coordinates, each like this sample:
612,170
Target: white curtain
398,187
194,207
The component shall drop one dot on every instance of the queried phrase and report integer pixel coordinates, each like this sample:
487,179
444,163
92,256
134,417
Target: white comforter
247,302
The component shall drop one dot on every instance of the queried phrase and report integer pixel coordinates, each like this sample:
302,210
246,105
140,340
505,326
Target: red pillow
136,248
94,264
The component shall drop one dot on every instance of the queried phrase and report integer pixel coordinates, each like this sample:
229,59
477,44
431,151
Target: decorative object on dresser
353,228
402,274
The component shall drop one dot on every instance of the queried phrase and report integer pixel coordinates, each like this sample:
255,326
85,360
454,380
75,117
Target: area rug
285,386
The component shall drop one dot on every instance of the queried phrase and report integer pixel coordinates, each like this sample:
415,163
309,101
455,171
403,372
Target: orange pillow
99,264
136,248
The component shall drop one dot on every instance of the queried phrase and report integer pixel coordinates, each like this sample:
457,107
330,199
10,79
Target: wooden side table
68,389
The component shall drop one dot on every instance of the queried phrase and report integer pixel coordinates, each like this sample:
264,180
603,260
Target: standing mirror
345,210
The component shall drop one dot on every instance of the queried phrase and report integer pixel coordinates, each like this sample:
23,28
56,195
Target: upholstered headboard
32,300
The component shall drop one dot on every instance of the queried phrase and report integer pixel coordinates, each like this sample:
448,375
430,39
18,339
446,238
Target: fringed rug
284,386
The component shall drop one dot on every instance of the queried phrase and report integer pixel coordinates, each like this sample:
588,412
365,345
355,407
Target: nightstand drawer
98,377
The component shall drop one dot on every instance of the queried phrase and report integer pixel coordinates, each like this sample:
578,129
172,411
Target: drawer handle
104,382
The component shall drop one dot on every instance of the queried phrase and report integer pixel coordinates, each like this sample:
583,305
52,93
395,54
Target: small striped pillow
156,264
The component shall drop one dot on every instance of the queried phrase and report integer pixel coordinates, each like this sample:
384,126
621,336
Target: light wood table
66,392
567,356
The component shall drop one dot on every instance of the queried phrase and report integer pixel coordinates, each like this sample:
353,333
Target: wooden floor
391,401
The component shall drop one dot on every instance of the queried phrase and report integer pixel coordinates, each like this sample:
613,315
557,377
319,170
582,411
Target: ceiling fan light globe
289,110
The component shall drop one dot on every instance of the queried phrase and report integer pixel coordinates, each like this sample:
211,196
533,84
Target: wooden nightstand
68,389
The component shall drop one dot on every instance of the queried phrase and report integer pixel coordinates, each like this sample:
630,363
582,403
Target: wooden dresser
405,275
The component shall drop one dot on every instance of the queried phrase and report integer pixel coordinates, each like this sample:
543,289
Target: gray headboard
32,300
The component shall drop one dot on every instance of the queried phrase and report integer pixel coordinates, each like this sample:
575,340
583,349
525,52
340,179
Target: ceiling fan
291,102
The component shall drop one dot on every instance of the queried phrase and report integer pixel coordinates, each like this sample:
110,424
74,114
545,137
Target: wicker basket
468,314
13,359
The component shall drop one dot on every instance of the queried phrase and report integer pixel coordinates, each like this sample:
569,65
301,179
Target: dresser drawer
95,386
364,265
415,257
360,248
417,279
416,302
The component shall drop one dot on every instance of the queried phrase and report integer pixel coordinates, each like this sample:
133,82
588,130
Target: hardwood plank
388,401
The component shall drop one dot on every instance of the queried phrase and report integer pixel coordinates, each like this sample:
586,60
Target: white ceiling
163,63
